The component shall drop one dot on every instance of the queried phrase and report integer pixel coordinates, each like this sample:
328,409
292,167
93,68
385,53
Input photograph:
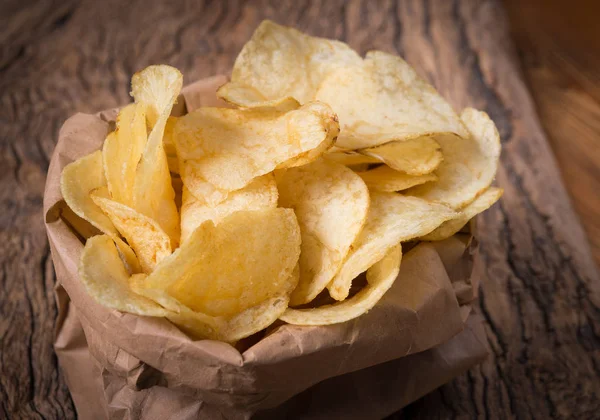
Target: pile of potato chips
227,219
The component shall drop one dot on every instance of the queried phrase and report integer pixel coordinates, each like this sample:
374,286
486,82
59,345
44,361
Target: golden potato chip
331,203
380,277
202,326
104,276
244,261
469,165
384,100
156,88
283,104
122,152
150,243
350,158
279,62
450,227
169,146
196,324
392,218
77,181
384,178
130,260
222,150
260,193
313,154
418,156
80,226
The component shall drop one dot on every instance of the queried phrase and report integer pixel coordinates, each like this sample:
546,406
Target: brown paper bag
117,365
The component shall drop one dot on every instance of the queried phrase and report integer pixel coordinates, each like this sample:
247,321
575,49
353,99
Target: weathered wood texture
541,301
561,61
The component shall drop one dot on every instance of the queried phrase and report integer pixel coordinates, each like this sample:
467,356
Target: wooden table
560,55
541,299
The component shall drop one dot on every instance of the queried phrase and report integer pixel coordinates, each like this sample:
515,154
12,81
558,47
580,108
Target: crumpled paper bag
117,365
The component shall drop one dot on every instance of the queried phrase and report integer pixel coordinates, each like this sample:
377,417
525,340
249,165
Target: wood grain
561,59
541,300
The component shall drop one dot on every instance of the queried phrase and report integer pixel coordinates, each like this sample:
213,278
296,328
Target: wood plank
541,299
560,55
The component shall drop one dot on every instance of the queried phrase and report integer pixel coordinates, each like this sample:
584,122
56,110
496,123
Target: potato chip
450,227
313,154
417,156
469,165
195,324
130,260
279,62
202,326
380,277
104,276
331,203
392,218
156,88
169,146
283,104
223,150
350,158
246,260
384,178
384,100
150,243
260,193
122,152
77,180
80,226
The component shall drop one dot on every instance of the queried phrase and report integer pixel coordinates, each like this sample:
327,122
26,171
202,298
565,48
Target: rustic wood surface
561,61
541,300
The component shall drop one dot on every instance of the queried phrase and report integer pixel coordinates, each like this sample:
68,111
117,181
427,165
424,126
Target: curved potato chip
384,178
350,158
469,165
380,277
77,181
450,227
169,145
123,150
260,193
331,204
130,260
392,218
280,61
80,179
201,326
156,88
245,260
104,276
223,150
384,100
150,243
417,156
313,154
80,226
